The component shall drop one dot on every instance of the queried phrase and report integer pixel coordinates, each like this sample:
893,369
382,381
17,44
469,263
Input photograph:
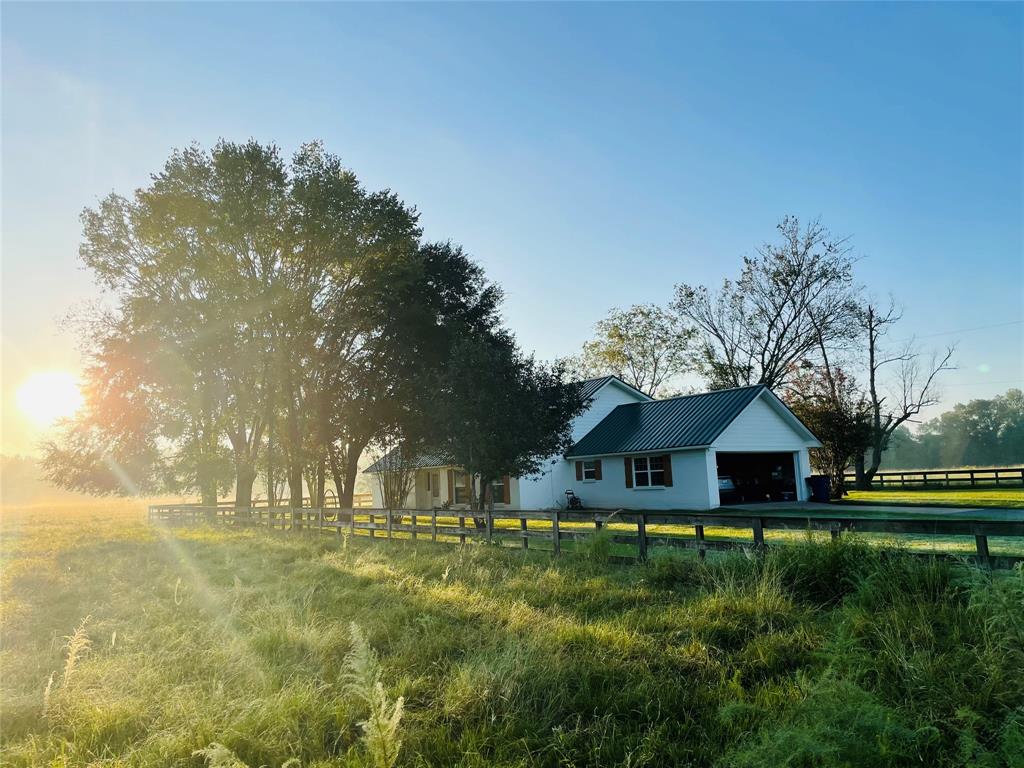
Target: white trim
644,452
649,471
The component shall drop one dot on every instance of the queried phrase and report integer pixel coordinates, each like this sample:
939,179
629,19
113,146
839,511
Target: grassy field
125,645
1007,498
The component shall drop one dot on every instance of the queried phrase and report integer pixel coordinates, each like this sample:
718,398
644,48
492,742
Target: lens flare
48,396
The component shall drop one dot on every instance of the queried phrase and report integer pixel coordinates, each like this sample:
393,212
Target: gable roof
427,459
590,387
679,422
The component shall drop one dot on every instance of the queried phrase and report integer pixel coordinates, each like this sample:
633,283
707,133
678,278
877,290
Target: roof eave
638,452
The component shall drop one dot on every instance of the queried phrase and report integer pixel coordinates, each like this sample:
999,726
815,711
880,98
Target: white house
693,452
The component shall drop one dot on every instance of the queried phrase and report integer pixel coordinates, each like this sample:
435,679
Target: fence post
525,539
433,525
320,521
490,525
758,527
556,532
351,522
390,520
414,527
462,529
373,522
699,533
981,542
641,535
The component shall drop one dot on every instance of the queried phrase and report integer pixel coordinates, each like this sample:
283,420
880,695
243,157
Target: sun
48,396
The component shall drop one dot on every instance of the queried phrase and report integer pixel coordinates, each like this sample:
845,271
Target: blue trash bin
820,488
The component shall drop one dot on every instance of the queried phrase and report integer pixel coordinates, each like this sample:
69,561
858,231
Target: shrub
823,573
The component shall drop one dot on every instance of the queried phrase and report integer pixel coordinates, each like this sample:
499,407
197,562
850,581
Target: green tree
501,412
645,346
419,313
273,313
829,402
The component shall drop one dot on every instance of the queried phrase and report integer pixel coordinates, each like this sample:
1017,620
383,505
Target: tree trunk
245,476
339,480
838,484
872,468
351,475
208,491
294,485
858,473
320,493
485,493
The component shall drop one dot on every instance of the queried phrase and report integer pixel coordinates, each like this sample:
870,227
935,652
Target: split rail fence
550,529
946,478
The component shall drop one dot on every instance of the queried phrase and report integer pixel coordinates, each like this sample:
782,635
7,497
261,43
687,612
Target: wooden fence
359,501
946,478
684,530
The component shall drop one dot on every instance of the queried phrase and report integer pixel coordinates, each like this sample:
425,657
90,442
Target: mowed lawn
821,654
1007,498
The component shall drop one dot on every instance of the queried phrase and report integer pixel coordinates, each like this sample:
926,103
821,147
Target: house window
434,484
498,492
649,471
462,489
590,470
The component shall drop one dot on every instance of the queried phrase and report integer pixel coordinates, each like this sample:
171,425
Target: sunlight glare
48,396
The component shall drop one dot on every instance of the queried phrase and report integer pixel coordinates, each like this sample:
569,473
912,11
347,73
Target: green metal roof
679,422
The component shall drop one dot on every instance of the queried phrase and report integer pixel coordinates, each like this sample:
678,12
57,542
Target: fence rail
946,478
359,501
673,529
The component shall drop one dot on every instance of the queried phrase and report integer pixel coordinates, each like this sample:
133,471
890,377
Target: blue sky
588,155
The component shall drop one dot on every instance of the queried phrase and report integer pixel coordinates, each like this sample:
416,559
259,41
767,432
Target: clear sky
588,155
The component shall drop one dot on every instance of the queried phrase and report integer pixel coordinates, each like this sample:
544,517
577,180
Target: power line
980,383
969,330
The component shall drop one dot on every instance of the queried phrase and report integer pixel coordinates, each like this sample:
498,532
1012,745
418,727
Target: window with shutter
650,472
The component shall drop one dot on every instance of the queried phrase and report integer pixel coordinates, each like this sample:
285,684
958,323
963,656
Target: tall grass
234,648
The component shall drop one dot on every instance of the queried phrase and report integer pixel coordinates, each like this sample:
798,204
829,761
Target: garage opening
749,478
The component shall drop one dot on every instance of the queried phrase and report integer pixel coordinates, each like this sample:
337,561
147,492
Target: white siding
760,428
689,485
547,488
607,399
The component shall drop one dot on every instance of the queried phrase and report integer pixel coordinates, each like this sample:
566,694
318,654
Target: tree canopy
646,346
270,317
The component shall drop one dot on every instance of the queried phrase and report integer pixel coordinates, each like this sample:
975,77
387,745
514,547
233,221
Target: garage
750,478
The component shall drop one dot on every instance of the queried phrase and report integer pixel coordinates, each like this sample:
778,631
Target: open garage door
749,478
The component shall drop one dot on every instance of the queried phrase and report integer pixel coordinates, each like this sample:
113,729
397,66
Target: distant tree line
796,320
277,320
979,433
